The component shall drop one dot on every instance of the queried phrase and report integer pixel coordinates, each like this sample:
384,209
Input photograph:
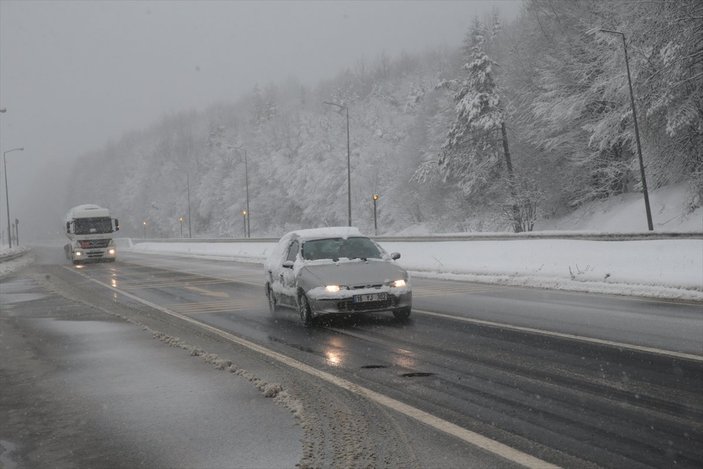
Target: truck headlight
79,254
398,283
111,251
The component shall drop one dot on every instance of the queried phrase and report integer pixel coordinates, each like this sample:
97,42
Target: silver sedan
335,271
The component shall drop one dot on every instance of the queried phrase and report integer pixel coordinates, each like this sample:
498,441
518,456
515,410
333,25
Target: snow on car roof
327,232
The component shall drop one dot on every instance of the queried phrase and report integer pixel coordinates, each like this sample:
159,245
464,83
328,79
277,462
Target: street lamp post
144,223
7,193
246,185
244,215
346,109
190,233
375,198
180,221
637,131
17,232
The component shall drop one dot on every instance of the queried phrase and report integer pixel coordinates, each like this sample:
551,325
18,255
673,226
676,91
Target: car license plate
368,297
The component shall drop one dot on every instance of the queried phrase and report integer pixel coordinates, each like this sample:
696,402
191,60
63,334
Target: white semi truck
89,229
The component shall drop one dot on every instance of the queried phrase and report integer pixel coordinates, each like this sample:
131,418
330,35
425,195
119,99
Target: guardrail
12,255
583,236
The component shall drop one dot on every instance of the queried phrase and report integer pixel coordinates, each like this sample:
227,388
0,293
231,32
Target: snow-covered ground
659,268
9,266
672,209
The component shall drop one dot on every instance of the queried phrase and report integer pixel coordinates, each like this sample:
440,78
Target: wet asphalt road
570,401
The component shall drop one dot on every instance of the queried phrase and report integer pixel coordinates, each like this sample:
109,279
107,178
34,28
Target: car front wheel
305,311
402,314
273,305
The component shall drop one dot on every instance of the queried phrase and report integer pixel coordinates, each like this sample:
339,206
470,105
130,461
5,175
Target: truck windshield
92,225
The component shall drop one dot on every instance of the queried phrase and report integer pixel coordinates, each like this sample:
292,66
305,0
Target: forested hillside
527,119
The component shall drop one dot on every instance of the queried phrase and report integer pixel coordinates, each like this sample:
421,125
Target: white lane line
480,441
591,340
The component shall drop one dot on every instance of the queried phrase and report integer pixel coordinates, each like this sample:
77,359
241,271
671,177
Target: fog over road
569,379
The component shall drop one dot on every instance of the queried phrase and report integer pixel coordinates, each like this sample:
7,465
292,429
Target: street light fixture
144,223
346,109
7,193
637,131
180,221
375,198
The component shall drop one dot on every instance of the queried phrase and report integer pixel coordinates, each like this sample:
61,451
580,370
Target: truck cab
89,229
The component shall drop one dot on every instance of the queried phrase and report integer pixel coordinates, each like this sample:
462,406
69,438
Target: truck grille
94,243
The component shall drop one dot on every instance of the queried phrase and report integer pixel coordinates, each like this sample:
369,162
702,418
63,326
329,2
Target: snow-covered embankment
664,268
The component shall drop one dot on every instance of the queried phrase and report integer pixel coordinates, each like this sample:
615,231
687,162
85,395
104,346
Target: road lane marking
638,348
475,439
206,292
216,306
591,340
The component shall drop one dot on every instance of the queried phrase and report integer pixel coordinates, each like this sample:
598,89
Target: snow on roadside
8,267
655,268
673,208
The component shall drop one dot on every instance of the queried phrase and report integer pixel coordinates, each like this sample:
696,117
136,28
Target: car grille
359,287
94,243
350,306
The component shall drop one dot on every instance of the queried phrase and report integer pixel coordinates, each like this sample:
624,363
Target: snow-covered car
335,270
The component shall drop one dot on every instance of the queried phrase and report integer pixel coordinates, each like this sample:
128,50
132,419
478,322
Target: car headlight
332,288
78,253
398,283
111,251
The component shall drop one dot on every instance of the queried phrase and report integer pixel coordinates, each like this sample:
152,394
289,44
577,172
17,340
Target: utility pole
190,233
246,185
349,212
375,198
637,131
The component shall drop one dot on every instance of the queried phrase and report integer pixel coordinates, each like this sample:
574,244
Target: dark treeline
523,121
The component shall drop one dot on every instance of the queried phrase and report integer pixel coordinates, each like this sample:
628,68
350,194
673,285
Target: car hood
356,273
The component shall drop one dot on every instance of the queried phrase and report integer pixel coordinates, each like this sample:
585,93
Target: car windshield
337,248
93,225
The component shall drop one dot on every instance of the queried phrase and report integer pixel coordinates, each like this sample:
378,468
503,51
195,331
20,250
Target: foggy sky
74,75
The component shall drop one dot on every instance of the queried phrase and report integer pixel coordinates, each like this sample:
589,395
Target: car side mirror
288,264
395,256
117,225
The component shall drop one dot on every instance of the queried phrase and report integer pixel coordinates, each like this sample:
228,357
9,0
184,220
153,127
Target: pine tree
471,156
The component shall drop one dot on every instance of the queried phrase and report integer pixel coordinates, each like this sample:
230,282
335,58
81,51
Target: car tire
273,305
304,310
402,314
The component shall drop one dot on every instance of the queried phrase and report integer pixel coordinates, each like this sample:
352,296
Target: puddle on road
11,298
6,450
19,291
